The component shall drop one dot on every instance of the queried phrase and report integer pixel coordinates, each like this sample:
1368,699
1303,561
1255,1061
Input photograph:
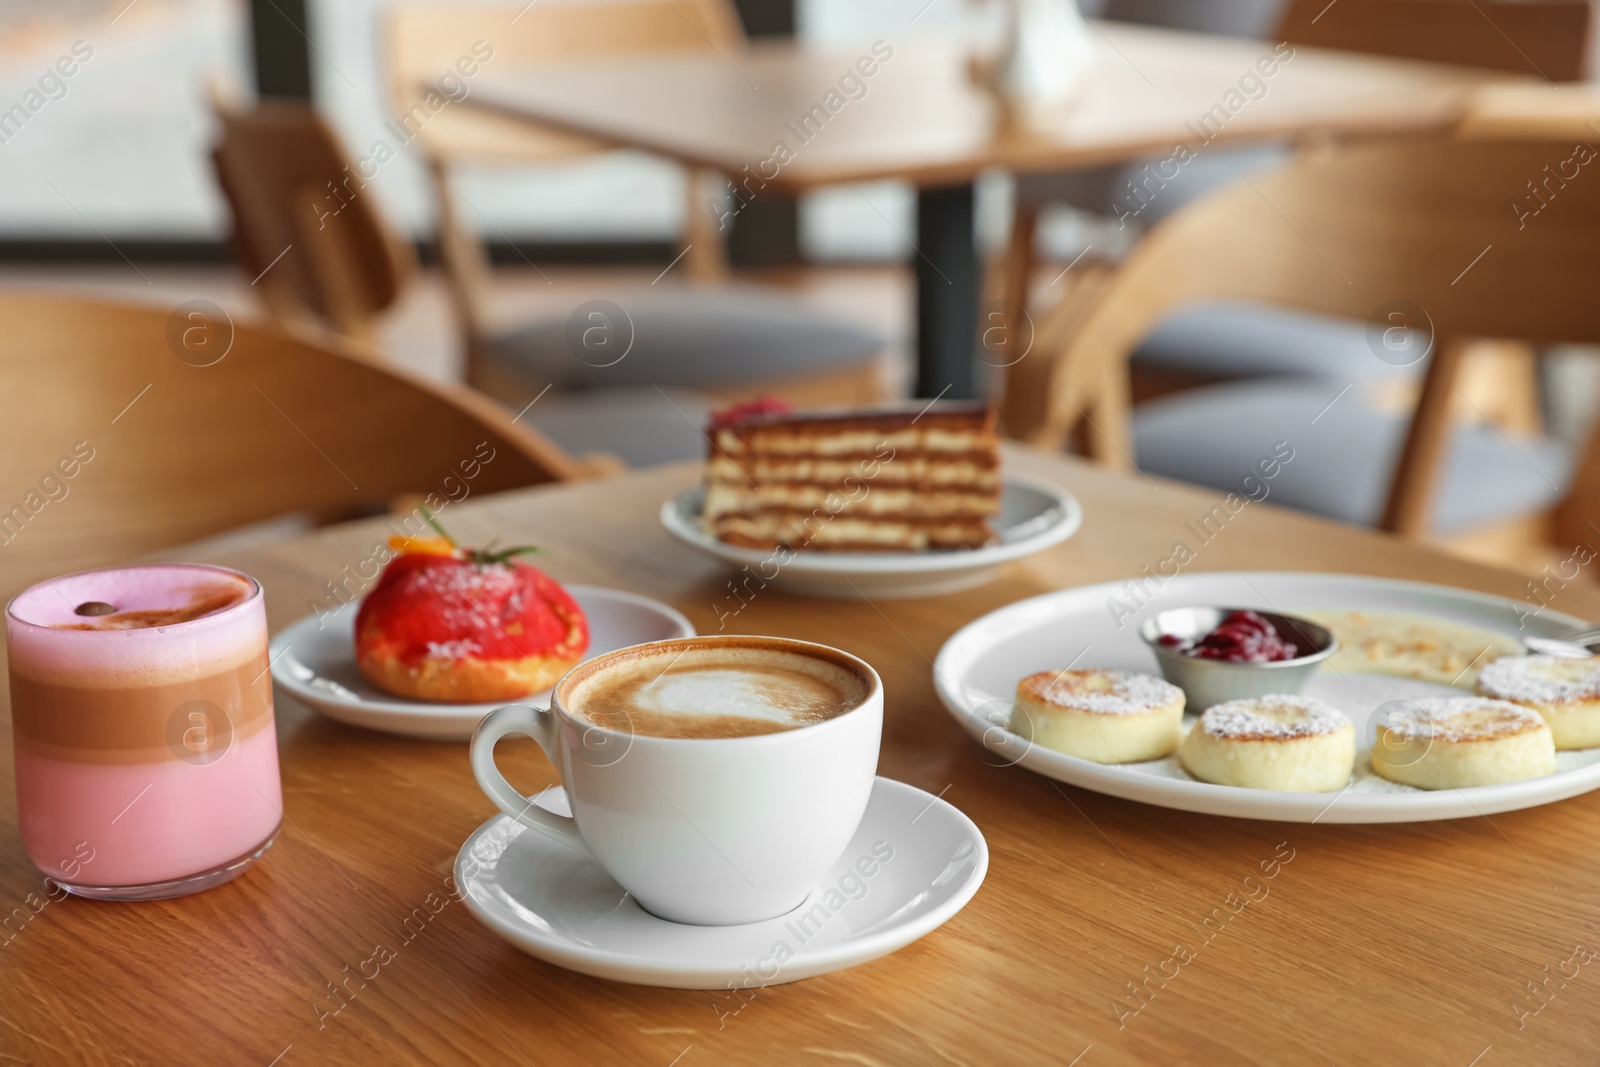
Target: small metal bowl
1212,681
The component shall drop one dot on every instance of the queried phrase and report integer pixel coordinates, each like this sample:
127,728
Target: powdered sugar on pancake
1105,692
1273,718
1461,719
1541,679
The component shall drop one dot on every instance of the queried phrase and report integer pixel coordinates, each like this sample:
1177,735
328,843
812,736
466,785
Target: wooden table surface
1403,944
919,118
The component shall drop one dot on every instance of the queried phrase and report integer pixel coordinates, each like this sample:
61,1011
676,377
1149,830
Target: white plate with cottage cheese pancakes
1401,644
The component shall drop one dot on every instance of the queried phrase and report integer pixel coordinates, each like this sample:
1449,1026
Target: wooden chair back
1482,239
1549,38
130,429
307,227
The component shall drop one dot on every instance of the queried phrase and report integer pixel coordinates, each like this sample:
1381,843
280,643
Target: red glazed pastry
466,627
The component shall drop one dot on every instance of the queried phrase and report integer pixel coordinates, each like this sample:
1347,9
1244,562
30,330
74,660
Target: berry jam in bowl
1220,654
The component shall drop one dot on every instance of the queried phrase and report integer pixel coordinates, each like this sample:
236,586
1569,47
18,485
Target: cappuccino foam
715,690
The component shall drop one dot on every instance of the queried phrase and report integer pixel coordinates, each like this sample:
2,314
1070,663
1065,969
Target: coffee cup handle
527,721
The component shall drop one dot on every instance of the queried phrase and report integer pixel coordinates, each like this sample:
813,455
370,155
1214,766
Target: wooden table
919,118
1375,944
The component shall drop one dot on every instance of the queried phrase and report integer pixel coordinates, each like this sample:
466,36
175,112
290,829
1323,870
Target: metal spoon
1549,646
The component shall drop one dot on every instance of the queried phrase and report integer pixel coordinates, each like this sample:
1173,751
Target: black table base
946,263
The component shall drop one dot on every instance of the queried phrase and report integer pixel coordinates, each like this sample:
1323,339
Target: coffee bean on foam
711,691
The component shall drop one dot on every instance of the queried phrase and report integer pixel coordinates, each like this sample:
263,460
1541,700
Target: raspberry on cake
912,479
466,626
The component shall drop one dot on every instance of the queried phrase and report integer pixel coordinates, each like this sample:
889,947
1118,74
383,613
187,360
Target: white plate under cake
1033,517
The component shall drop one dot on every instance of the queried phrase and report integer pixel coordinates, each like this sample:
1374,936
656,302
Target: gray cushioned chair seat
642,425
1235,340
1344,459
724,336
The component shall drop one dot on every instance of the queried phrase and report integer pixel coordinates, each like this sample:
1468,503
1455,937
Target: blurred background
109,187
121,164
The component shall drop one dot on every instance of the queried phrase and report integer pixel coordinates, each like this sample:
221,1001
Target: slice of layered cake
910,479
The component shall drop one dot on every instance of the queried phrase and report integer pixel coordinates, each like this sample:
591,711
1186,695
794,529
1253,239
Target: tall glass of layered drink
141,710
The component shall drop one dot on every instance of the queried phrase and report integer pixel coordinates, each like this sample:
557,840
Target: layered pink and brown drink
141,705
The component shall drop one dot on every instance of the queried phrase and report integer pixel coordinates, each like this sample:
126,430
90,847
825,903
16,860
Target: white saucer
1033,517
314,661
557,904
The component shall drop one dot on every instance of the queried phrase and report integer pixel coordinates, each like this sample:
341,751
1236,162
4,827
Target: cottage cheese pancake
1101,715
1457,742
1283,742
1565,691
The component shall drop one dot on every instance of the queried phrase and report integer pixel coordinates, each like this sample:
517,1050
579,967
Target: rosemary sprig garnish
481,556
427,517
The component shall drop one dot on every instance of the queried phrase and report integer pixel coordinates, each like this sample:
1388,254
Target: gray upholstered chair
1200,346
1345,232
1345,453
1108,191
708,340
337,267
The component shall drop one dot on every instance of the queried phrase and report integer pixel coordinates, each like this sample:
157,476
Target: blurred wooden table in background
1376,944
918,117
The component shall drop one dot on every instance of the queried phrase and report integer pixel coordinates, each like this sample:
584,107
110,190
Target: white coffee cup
709,831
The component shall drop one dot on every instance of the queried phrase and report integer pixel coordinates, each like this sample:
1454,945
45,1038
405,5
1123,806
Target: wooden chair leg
1500,382
1110,438
705,259
1078,439
1016,263
1411,490
1042,400
466,270
1576,519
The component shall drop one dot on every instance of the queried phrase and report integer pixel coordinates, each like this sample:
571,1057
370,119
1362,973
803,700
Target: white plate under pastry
1033,517
926,860
977,670
314,660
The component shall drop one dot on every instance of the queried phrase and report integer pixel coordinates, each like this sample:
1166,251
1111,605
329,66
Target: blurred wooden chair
716,339
1547,112
306,229
1205,345
309,231
1550,38
176,425
1423,226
